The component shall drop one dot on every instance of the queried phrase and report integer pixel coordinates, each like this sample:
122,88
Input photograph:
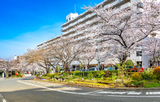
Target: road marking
88,93
152,93
134,93
45,87
109,92
128,93
4,100
130,96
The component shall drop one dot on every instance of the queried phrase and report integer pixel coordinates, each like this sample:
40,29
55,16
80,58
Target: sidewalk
1,78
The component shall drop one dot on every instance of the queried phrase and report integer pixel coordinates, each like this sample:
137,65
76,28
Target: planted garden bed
109,79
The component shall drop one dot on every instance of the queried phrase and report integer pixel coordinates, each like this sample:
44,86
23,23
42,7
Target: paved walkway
1,78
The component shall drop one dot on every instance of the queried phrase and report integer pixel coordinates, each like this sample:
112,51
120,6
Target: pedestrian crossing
55,86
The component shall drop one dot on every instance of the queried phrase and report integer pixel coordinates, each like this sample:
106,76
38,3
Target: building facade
80,20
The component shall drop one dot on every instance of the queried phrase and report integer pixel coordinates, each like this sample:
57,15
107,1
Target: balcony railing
78,21
125,5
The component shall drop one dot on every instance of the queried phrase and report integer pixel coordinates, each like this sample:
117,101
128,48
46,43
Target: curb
2,98
131,89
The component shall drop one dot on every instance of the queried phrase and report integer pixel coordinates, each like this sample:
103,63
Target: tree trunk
154,60
47,70
88,66
123,59
121,70
7,74
66,68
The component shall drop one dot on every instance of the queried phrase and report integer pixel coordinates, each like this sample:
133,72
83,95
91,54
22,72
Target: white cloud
20,44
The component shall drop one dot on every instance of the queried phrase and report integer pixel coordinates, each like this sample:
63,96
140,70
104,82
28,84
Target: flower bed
107,79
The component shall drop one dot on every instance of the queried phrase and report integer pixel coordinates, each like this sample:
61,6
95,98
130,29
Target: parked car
83,70
109,68
73,70
93,69
135,69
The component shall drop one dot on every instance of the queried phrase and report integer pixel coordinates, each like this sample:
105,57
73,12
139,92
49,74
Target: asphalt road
26,90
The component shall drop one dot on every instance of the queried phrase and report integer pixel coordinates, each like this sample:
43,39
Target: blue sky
27,23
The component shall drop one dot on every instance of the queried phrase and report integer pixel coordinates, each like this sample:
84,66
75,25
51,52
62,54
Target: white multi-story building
75,19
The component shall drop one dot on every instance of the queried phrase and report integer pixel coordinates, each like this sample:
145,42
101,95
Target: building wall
90,18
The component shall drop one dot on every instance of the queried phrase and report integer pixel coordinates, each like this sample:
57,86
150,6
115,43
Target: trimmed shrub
156,72
50,75
65,74
148,75
101,74
77,73
44,75
107,73
37,76
90,75
96,74
135,83
136,76
113,71
152,84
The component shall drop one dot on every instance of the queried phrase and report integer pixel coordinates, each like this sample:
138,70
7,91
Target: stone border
125,88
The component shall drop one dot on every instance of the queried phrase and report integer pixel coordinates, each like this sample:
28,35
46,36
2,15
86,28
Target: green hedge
87,74
152,85
96,74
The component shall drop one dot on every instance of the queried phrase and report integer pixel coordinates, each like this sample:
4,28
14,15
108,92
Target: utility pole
98,52
98,44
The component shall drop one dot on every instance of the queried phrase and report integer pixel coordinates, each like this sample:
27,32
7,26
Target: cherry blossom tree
34,67
43,58
67,50
87,55
8,64
151,47
104,53
22,65
124,28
